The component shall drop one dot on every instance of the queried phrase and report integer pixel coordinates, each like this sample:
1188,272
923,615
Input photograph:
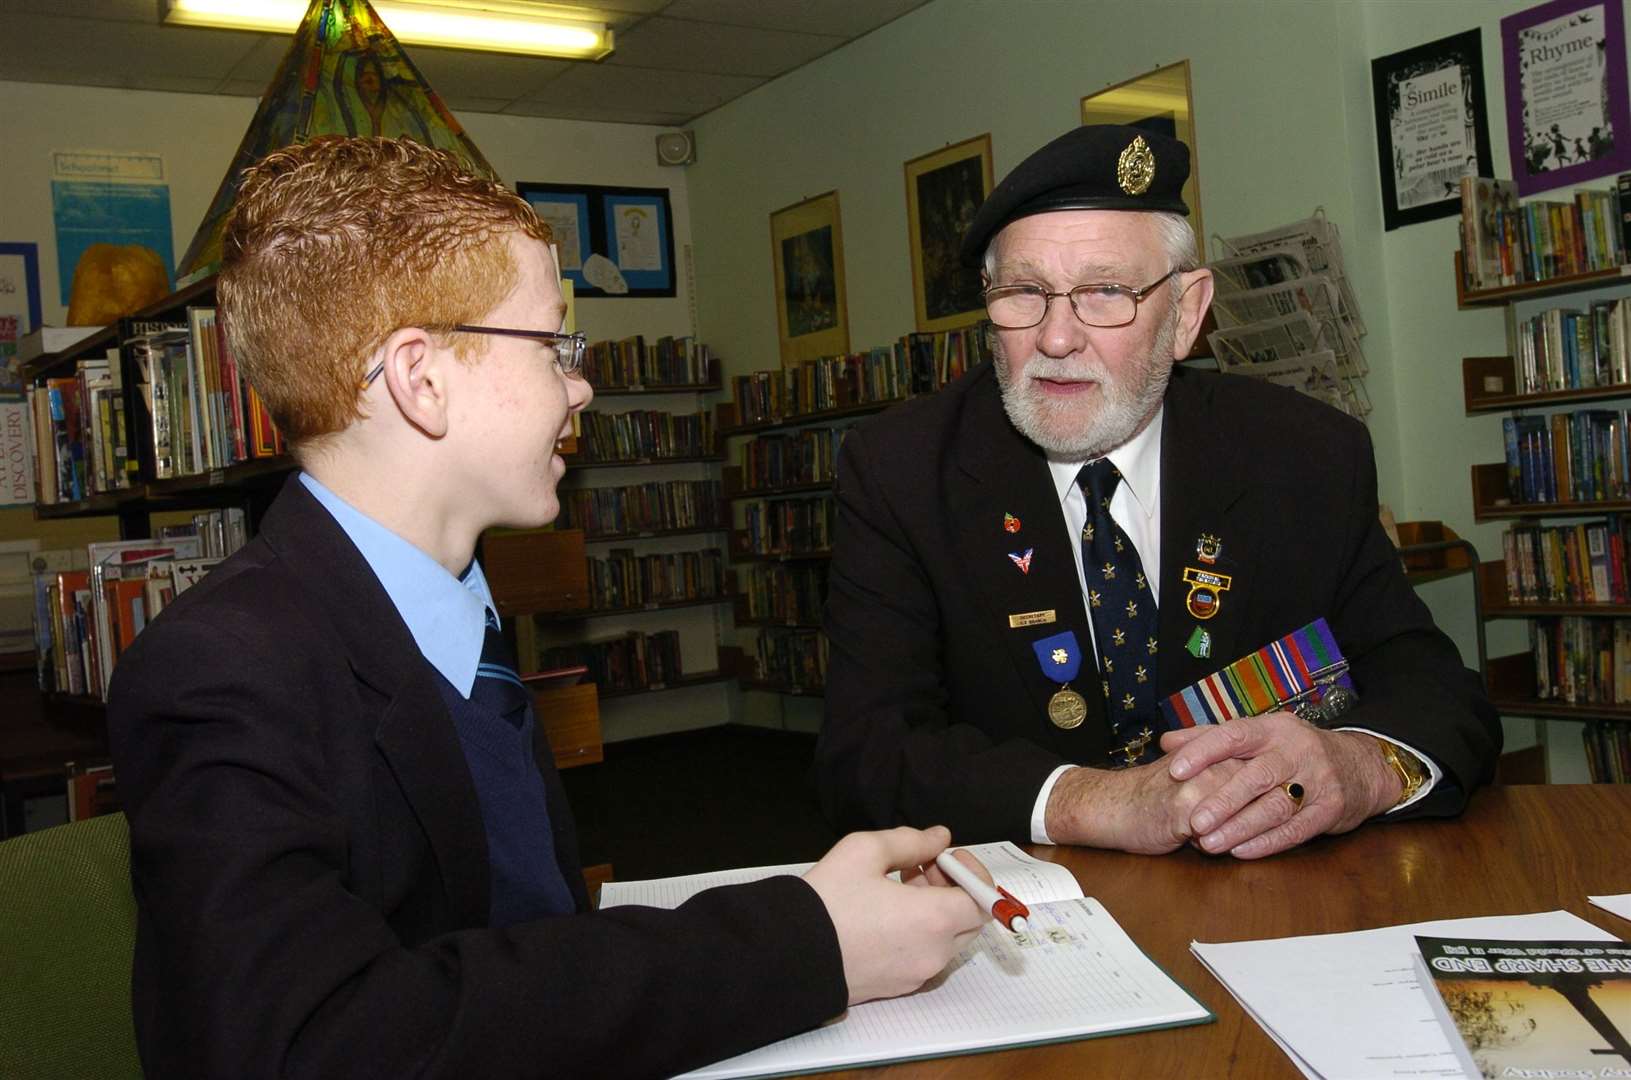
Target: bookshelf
1562,409
784,429
642,493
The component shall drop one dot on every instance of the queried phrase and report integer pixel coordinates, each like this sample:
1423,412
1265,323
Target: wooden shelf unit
728,426
573,463
1490,501
1479,374
1512,691
1491,385
1535,290
657,388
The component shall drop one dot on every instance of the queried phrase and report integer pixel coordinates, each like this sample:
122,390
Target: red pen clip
1008,909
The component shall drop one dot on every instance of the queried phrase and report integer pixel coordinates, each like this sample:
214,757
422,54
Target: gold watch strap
1410,770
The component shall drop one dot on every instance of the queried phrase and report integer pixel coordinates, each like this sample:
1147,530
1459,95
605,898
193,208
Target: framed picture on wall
612,241
807,251
943,191
1432,126
1160,101
1568,119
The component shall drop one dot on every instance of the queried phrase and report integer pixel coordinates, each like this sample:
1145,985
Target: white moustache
1062,368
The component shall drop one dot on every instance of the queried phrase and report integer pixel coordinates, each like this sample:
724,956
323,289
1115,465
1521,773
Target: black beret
1093,167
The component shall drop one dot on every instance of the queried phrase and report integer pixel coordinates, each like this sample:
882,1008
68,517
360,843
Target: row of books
170,402
1583,563
792,659
918,363
808,456
785,592
86,618
1580,456
200,413
644,433
1581,660
1504,242
632,661
1608,751
626,579
81,440
632,508
1571,349
632,364
788,526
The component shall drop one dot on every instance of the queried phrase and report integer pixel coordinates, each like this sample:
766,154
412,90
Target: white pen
1002,904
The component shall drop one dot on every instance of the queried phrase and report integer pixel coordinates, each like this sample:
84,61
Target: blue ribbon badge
1060,656
1061,660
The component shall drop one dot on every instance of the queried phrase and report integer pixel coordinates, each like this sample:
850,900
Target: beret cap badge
1135,169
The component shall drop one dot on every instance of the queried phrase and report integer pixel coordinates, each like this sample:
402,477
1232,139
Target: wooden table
1516,850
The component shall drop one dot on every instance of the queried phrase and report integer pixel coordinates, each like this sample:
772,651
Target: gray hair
1177,237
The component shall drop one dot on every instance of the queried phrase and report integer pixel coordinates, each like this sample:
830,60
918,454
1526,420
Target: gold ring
1294,792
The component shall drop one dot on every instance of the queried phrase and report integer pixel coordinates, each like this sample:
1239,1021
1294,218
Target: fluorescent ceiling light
491,25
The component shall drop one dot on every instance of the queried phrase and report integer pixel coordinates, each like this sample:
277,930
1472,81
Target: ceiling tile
261,61
680,45
130,50
628,7
636,89
463,73
146,11
843,18
476,104
242,87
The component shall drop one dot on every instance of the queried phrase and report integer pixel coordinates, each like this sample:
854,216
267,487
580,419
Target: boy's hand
893,937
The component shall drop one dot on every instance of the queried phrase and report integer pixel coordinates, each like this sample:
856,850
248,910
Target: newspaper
1321,246
1267,339
1314,374
1316,295
1272,267
1286,312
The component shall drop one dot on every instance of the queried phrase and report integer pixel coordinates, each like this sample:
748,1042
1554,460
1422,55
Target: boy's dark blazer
310,864
936,707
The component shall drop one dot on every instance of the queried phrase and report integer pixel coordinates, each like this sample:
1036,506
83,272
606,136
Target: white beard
1074,432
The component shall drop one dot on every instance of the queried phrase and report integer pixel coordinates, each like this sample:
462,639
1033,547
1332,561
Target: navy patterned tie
498,686
1122,607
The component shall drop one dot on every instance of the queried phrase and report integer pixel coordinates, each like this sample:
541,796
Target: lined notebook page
1075,974
1032,880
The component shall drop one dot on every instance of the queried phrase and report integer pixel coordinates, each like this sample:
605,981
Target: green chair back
67,932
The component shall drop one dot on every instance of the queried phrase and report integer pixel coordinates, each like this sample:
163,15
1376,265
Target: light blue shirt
447,616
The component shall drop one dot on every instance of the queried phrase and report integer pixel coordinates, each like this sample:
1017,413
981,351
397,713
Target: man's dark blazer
311,869
936,709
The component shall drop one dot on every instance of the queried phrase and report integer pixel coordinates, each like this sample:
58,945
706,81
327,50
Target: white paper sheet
1031,880
1350,1006
1619,905
1075,974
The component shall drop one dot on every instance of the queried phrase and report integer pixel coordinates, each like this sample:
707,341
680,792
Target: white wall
198,134
1283,121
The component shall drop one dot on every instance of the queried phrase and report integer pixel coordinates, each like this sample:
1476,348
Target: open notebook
1076,974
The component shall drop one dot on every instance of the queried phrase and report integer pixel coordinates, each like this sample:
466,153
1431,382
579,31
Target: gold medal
1067,709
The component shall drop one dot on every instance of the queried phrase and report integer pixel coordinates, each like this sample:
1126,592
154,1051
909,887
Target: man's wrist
1067,818
1408,770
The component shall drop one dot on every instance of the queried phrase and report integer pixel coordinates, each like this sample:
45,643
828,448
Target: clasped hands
1224,789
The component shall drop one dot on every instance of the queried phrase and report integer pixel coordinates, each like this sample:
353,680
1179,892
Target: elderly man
1028,562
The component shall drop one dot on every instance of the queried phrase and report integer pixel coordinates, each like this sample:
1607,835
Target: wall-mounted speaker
676,148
